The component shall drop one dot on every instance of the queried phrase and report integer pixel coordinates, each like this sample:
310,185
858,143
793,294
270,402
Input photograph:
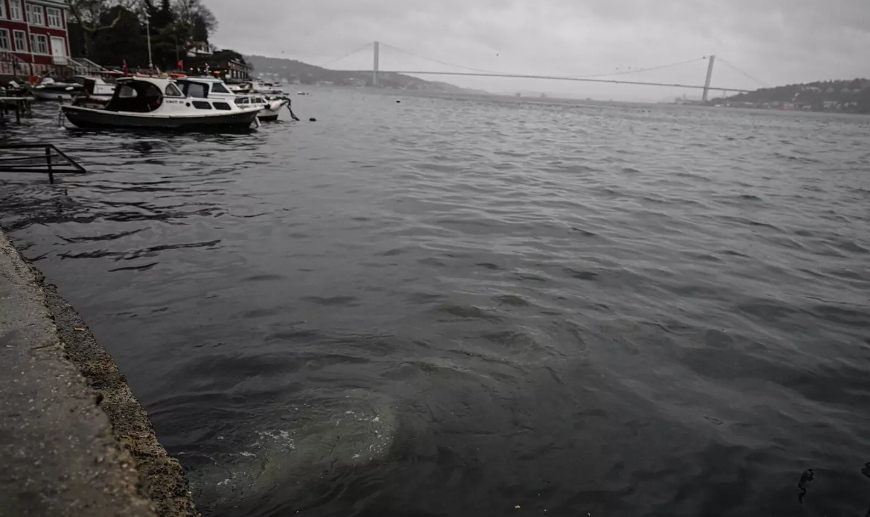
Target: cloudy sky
765,42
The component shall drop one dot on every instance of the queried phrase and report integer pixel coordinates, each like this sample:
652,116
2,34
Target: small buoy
312,119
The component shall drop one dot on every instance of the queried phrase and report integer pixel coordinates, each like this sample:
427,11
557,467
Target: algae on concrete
71,445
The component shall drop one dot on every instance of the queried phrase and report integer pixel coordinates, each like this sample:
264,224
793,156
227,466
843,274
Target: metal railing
37,158
17,100
10,64
86,65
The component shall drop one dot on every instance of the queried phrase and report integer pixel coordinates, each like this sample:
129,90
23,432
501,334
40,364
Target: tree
228,55
201,29
124,42
188,24
89,16
162,16
199,18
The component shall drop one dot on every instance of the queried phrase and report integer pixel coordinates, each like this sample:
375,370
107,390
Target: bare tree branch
88,12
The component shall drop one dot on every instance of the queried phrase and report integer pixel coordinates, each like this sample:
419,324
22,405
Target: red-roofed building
34,38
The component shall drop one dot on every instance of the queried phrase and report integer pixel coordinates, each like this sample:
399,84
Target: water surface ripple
460,306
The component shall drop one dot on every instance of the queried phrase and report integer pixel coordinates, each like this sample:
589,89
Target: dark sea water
481,306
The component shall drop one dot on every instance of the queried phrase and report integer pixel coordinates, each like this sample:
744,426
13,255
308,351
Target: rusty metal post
48,163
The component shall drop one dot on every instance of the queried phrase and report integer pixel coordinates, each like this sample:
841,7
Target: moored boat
214,88
269,109
156,103
96,92
51,90
257,87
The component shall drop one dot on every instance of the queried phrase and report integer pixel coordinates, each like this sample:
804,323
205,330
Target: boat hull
270,111
266,115
89,118
51,95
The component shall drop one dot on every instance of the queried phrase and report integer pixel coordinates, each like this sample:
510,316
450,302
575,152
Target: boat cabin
142,95
204,87
251,100
147,94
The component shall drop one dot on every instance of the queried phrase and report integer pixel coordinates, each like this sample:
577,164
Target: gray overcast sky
775,41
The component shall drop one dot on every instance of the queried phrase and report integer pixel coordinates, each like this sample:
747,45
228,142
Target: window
39,44
196,90
34,15
5,42
2,10
20,41
127,92
201,105
54,18
222,106
219,88
172,91
15,10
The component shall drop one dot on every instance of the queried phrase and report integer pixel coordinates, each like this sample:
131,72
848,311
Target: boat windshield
172,91
192,89
137,97
219,88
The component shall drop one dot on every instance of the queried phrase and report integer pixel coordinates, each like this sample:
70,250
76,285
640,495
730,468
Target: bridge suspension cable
589,76
439,61
741,72
595,78
352,52
639,70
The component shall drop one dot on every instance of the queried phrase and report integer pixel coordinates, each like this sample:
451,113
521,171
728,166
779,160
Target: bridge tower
375,69
709,77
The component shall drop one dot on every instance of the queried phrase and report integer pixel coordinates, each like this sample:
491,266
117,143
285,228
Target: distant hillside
851,96
303,73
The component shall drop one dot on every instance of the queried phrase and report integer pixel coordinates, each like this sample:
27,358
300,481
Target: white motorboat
51,90
268,108
266,88
214,88
257,87
96,92
156,103
240,88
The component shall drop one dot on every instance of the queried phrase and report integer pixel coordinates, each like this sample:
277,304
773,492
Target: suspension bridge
607,78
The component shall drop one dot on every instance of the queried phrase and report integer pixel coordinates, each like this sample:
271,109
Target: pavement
59,452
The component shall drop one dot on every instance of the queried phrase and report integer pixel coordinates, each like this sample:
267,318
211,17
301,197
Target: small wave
344,301
468,312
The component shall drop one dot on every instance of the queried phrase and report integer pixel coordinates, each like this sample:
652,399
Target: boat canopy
140,95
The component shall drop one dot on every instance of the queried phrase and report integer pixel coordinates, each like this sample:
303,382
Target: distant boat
50,90
240,88
155,103
214,88
256,87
